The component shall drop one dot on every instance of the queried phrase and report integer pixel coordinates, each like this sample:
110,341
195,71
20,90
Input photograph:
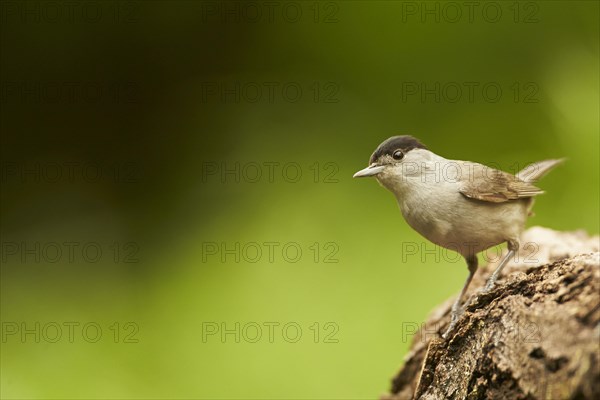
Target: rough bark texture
536,335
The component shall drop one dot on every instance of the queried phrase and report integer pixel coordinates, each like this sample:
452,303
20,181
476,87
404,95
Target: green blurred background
142,91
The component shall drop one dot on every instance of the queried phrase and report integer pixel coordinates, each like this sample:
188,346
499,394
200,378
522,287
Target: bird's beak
369,171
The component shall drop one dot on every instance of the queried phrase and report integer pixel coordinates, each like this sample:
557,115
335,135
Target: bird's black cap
405,143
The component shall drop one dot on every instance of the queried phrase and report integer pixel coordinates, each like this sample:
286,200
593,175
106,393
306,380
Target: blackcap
460,205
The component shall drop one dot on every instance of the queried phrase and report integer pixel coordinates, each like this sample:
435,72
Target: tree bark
534,336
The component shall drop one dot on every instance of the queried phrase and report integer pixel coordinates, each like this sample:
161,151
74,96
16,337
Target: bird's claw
449,329
456,313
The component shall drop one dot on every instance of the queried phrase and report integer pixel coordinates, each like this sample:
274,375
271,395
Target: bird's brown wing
489,184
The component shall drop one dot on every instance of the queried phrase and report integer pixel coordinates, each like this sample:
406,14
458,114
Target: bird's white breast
427,191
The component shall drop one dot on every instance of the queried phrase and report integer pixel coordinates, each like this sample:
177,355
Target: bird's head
386,162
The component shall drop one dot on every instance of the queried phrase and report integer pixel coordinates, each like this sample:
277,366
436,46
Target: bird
462,206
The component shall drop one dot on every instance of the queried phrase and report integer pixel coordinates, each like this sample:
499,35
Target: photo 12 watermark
270,252
463,172
526,332
426,251
69,252
470,12
225,172
269,92
469,92
69,332
70,92
50,172
36,12
269,12
270,332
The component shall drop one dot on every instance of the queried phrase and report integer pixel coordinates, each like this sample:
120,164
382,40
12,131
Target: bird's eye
398,154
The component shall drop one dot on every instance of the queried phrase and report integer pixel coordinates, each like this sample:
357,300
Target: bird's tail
535,171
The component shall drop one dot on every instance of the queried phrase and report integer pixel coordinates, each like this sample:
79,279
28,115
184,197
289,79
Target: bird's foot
456,313
449,329
489,286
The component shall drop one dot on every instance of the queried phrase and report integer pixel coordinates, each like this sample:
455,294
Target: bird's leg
513,246
456,307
